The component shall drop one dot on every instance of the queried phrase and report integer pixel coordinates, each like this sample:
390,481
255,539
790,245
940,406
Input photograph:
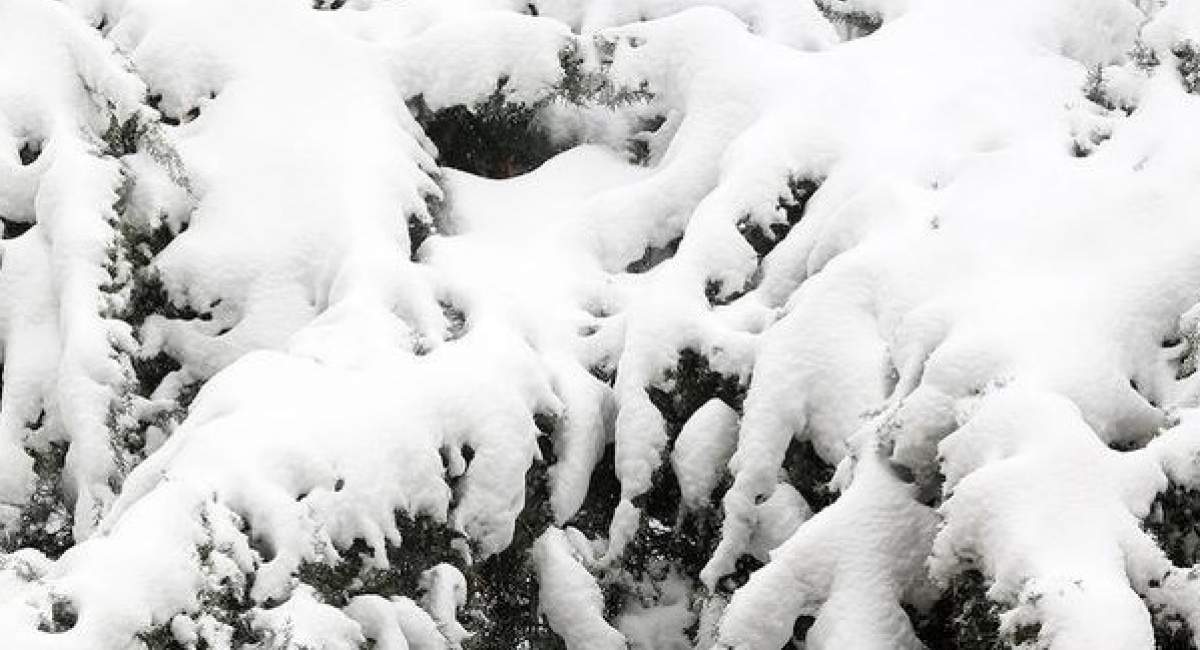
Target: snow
398,624
570,598
304,622
445,592
850,566
539,269
969,320
1076,506
1174,23
663,624
796,24
58,351
702,450
880,315
279,270
473,52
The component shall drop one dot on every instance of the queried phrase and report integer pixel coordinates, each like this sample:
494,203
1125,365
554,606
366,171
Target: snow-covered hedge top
972,311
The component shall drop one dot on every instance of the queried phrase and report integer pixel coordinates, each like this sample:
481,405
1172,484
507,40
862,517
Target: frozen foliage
635,323
62,379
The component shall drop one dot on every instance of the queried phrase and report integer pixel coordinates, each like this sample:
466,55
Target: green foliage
1174,521
764,240
46,522
134,292
809,474
500,138
503,588
418,231
668,533
855,22
228,603
669,537
603,495
686,387
1187,54
456,320
964,617
653,256
670,541
1095,88
1143,56
425,544
502,606
10,229
581,85
62,616
121,137
495,138
1187,61
29,151
800,632
639,145
1171,631
159,637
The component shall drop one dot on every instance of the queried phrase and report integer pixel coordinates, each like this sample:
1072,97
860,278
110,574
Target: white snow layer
58,93
968,296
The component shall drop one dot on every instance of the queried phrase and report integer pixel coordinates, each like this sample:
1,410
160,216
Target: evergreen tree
563,324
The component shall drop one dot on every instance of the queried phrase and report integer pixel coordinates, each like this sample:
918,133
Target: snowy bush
559,324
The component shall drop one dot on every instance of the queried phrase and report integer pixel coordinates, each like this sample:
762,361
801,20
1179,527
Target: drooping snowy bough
655,324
